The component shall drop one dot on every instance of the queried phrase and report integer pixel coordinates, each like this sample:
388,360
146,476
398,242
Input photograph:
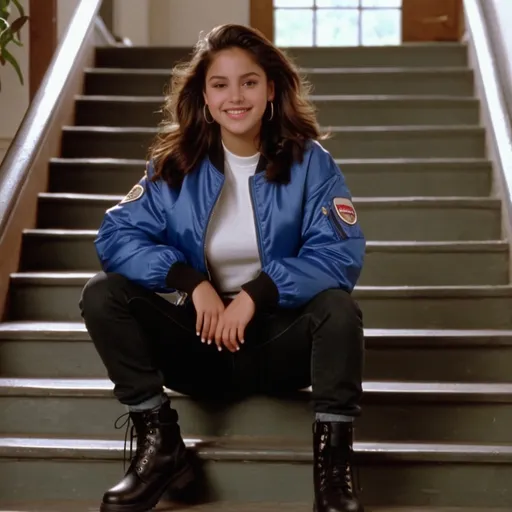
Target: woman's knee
100,292
339,307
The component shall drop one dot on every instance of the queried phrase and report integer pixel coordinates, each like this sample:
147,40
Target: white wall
501,18
174,22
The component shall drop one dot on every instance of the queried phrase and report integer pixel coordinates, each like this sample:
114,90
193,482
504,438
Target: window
337,22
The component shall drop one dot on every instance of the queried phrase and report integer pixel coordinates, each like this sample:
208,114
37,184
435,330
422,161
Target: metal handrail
36,124
498,113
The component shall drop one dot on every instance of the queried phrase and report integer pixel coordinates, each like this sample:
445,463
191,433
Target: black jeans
146,343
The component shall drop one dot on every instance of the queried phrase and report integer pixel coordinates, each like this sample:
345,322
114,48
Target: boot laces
337,470
341,474
140,454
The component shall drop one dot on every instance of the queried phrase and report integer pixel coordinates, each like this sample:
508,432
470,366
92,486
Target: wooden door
432,20
262,17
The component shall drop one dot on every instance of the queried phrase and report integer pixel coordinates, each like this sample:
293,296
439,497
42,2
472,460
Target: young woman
246,217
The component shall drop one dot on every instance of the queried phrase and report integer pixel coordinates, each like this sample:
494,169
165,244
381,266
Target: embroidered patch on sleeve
345,210
135,193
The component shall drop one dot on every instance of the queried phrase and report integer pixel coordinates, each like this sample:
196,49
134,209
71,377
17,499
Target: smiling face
237,93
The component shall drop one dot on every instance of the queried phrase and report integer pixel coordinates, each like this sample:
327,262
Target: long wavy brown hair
186,138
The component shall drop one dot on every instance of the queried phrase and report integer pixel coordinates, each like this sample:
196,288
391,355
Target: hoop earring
206,117
271,111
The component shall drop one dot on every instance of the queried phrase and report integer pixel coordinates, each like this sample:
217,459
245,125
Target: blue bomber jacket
308,233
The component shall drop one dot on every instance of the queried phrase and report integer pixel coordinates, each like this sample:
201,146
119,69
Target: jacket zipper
206,232
334,222
256,223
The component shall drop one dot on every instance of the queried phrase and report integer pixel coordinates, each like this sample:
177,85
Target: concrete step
455,81
347,142
366,178
405,55
392,474
54,296
167,506
27,350
387,263
402,219
393,411
381,110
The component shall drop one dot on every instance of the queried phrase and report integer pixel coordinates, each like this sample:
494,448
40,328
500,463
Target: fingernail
238,348
209,342
220,349
198,334
242,341
202,340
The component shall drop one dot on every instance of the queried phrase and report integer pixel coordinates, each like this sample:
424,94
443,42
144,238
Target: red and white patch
345,210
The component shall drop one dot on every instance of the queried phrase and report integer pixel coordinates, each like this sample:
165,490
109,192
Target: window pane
293,27
293,3
337,27
382,3
382,27
337,3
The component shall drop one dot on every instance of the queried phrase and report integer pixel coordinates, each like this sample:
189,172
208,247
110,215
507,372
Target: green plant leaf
12,61
11,33
16,27
17,24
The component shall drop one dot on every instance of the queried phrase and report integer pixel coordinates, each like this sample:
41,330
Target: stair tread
349,98
409,129
425,201
308,70
35,330
477,392
80,506
256,449
467,291
365,161
389,246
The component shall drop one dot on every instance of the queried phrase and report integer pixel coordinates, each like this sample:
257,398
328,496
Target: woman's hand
209,308
232,323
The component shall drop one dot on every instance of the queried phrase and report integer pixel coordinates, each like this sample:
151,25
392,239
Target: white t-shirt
231,244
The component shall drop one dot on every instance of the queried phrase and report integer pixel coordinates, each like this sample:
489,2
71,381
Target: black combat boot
333,479
160,463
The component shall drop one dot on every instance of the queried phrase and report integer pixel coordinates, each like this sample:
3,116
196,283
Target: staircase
436,296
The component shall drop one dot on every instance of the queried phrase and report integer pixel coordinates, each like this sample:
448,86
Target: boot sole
315,509
176,482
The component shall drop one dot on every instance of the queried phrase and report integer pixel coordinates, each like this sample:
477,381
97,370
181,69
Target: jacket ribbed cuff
263,291
184,278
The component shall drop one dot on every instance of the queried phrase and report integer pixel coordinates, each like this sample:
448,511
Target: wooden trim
43,40
262,17
432,20
24,170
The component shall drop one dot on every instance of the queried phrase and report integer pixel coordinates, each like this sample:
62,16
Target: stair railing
495,114
24,170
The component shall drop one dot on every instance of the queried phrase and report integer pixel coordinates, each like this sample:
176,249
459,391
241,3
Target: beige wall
174,22
131,20
65,11
153,22
14,97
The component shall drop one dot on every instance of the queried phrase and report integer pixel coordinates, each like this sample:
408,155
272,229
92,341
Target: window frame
315,8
